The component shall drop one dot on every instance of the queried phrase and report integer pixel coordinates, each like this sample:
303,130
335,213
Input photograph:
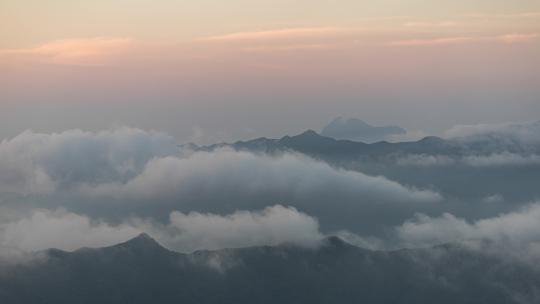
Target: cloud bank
514,233
490,160
270,226
43,229
133,165
510,133
42,163
60,229
227,171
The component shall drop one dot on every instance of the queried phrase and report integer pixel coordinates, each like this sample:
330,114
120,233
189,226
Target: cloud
424,160
134,164
432,41
43,229
531,14
61,229
233,172
80,51
292,47
514,233
278,34
511,133
485,145
430,24
505,38
270,226
495,198
502,159
516,38
489,160
124,172
43,163
301,39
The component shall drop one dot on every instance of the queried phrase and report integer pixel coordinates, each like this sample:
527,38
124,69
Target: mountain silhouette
358,130
142,271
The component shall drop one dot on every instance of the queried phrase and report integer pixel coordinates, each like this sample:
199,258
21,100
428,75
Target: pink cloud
531,14
279,34
80,51
292,47
516,38
434,41
506,38
422,24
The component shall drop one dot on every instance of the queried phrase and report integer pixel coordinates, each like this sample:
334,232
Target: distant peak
144,236
142,241
306,135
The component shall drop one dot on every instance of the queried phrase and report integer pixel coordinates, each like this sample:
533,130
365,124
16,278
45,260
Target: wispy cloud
505,38
279,34
514,38
430,24
80,51
531,14
431,41
292,47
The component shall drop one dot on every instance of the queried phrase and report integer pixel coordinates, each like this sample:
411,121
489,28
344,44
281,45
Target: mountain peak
308,137
141,242
308,133
144,236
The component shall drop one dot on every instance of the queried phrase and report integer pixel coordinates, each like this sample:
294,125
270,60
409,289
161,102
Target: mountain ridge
335,272
358,130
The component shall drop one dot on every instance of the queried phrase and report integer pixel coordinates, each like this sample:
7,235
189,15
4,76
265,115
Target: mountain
358,130
313,144
445,165
142,271
316,145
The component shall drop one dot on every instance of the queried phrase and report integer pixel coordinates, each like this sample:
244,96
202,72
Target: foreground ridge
142,271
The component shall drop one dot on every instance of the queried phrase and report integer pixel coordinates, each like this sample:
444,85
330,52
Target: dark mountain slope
141,271
313,144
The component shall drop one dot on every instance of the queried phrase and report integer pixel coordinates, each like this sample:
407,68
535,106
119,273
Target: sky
207,71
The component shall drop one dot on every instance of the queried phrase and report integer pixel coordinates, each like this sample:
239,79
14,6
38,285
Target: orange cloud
82,51
422,24
507,38
292,47
279,34
434,41
514,15
515,38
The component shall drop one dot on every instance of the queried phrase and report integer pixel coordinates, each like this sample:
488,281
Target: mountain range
358,130
446,164
142,271
313,144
